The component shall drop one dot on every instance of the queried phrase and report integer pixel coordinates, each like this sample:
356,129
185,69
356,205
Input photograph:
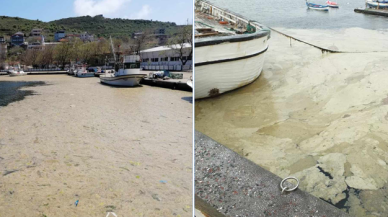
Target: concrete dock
178,84
235,186
379,12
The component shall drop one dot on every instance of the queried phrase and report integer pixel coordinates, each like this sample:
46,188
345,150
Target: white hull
124,81
17,73
85,75
214,79
220,77
319,9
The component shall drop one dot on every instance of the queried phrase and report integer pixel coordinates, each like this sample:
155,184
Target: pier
176,84
378,12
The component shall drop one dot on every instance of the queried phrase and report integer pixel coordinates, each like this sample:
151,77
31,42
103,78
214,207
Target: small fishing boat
228,55
71,70
16,71
332,4
127,73
317,7
379,4
82,72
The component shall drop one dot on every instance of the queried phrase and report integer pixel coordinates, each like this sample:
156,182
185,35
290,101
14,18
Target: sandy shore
320,117
126,150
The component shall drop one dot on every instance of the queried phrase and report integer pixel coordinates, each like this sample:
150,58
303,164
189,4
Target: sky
177,11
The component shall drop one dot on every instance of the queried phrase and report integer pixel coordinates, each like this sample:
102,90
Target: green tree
63,53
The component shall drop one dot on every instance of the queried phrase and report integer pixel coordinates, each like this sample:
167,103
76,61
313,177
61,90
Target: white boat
317,7
127,74
82,72
229,50
16,71
379,4
71,70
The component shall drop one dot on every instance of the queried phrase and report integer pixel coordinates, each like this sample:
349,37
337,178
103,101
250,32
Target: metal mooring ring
286,188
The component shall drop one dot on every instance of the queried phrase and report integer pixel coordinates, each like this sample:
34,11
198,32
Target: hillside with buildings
97,25
86,39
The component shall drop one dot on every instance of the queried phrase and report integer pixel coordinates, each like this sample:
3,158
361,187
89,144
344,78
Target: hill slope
98,25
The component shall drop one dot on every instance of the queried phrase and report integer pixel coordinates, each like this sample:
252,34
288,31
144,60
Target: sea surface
295,15
10,91
317,116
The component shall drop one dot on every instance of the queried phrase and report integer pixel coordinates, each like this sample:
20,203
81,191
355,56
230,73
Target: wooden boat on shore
227,56
379,4
317,6
332,4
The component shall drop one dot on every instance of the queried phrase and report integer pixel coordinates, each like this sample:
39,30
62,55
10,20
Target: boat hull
16,73
123,81
21,74
317,7
212,80
224,67
84,75
333,6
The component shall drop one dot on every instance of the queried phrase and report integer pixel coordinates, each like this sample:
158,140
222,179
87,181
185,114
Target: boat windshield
132,65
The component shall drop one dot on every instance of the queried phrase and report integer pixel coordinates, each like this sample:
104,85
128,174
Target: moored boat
16,71
229,50
380,4
127,73
82,72
317,6
332,4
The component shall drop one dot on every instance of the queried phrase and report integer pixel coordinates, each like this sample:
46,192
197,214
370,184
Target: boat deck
207,25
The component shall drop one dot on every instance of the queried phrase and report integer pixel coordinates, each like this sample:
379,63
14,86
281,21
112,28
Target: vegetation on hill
98,25
116,27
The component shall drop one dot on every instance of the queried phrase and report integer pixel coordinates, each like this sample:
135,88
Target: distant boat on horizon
332,4
317,6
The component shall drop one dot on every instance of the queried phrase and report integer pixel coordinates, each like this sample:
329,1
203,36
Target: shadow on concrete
188,99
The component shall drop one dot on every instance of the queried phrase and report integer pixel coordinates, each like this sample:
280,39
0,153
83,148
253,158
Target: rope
324,49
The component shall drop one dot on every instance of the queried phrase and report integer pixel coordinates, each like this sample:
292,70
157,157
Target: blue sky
47,10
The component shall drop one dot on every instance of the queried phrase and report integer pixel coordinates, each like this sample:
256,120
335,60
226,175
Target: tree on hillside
30,57
140,42
182,44
87,51
46,56
15,51
62,53
76,49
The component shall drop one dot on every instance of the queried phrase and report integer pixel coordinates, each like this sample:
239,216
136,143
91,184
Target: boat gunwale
264,31
122,77
231,59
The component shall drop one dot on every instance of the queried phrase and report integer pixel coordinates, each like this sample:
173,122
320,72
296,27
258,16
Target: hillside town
158,50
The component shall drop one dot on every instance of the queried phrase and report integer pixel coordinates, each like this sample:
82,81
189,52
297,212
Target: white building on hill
166,58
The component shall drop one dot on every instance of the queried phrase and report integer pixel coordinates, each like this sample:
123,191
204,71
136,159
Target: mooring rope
322,48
